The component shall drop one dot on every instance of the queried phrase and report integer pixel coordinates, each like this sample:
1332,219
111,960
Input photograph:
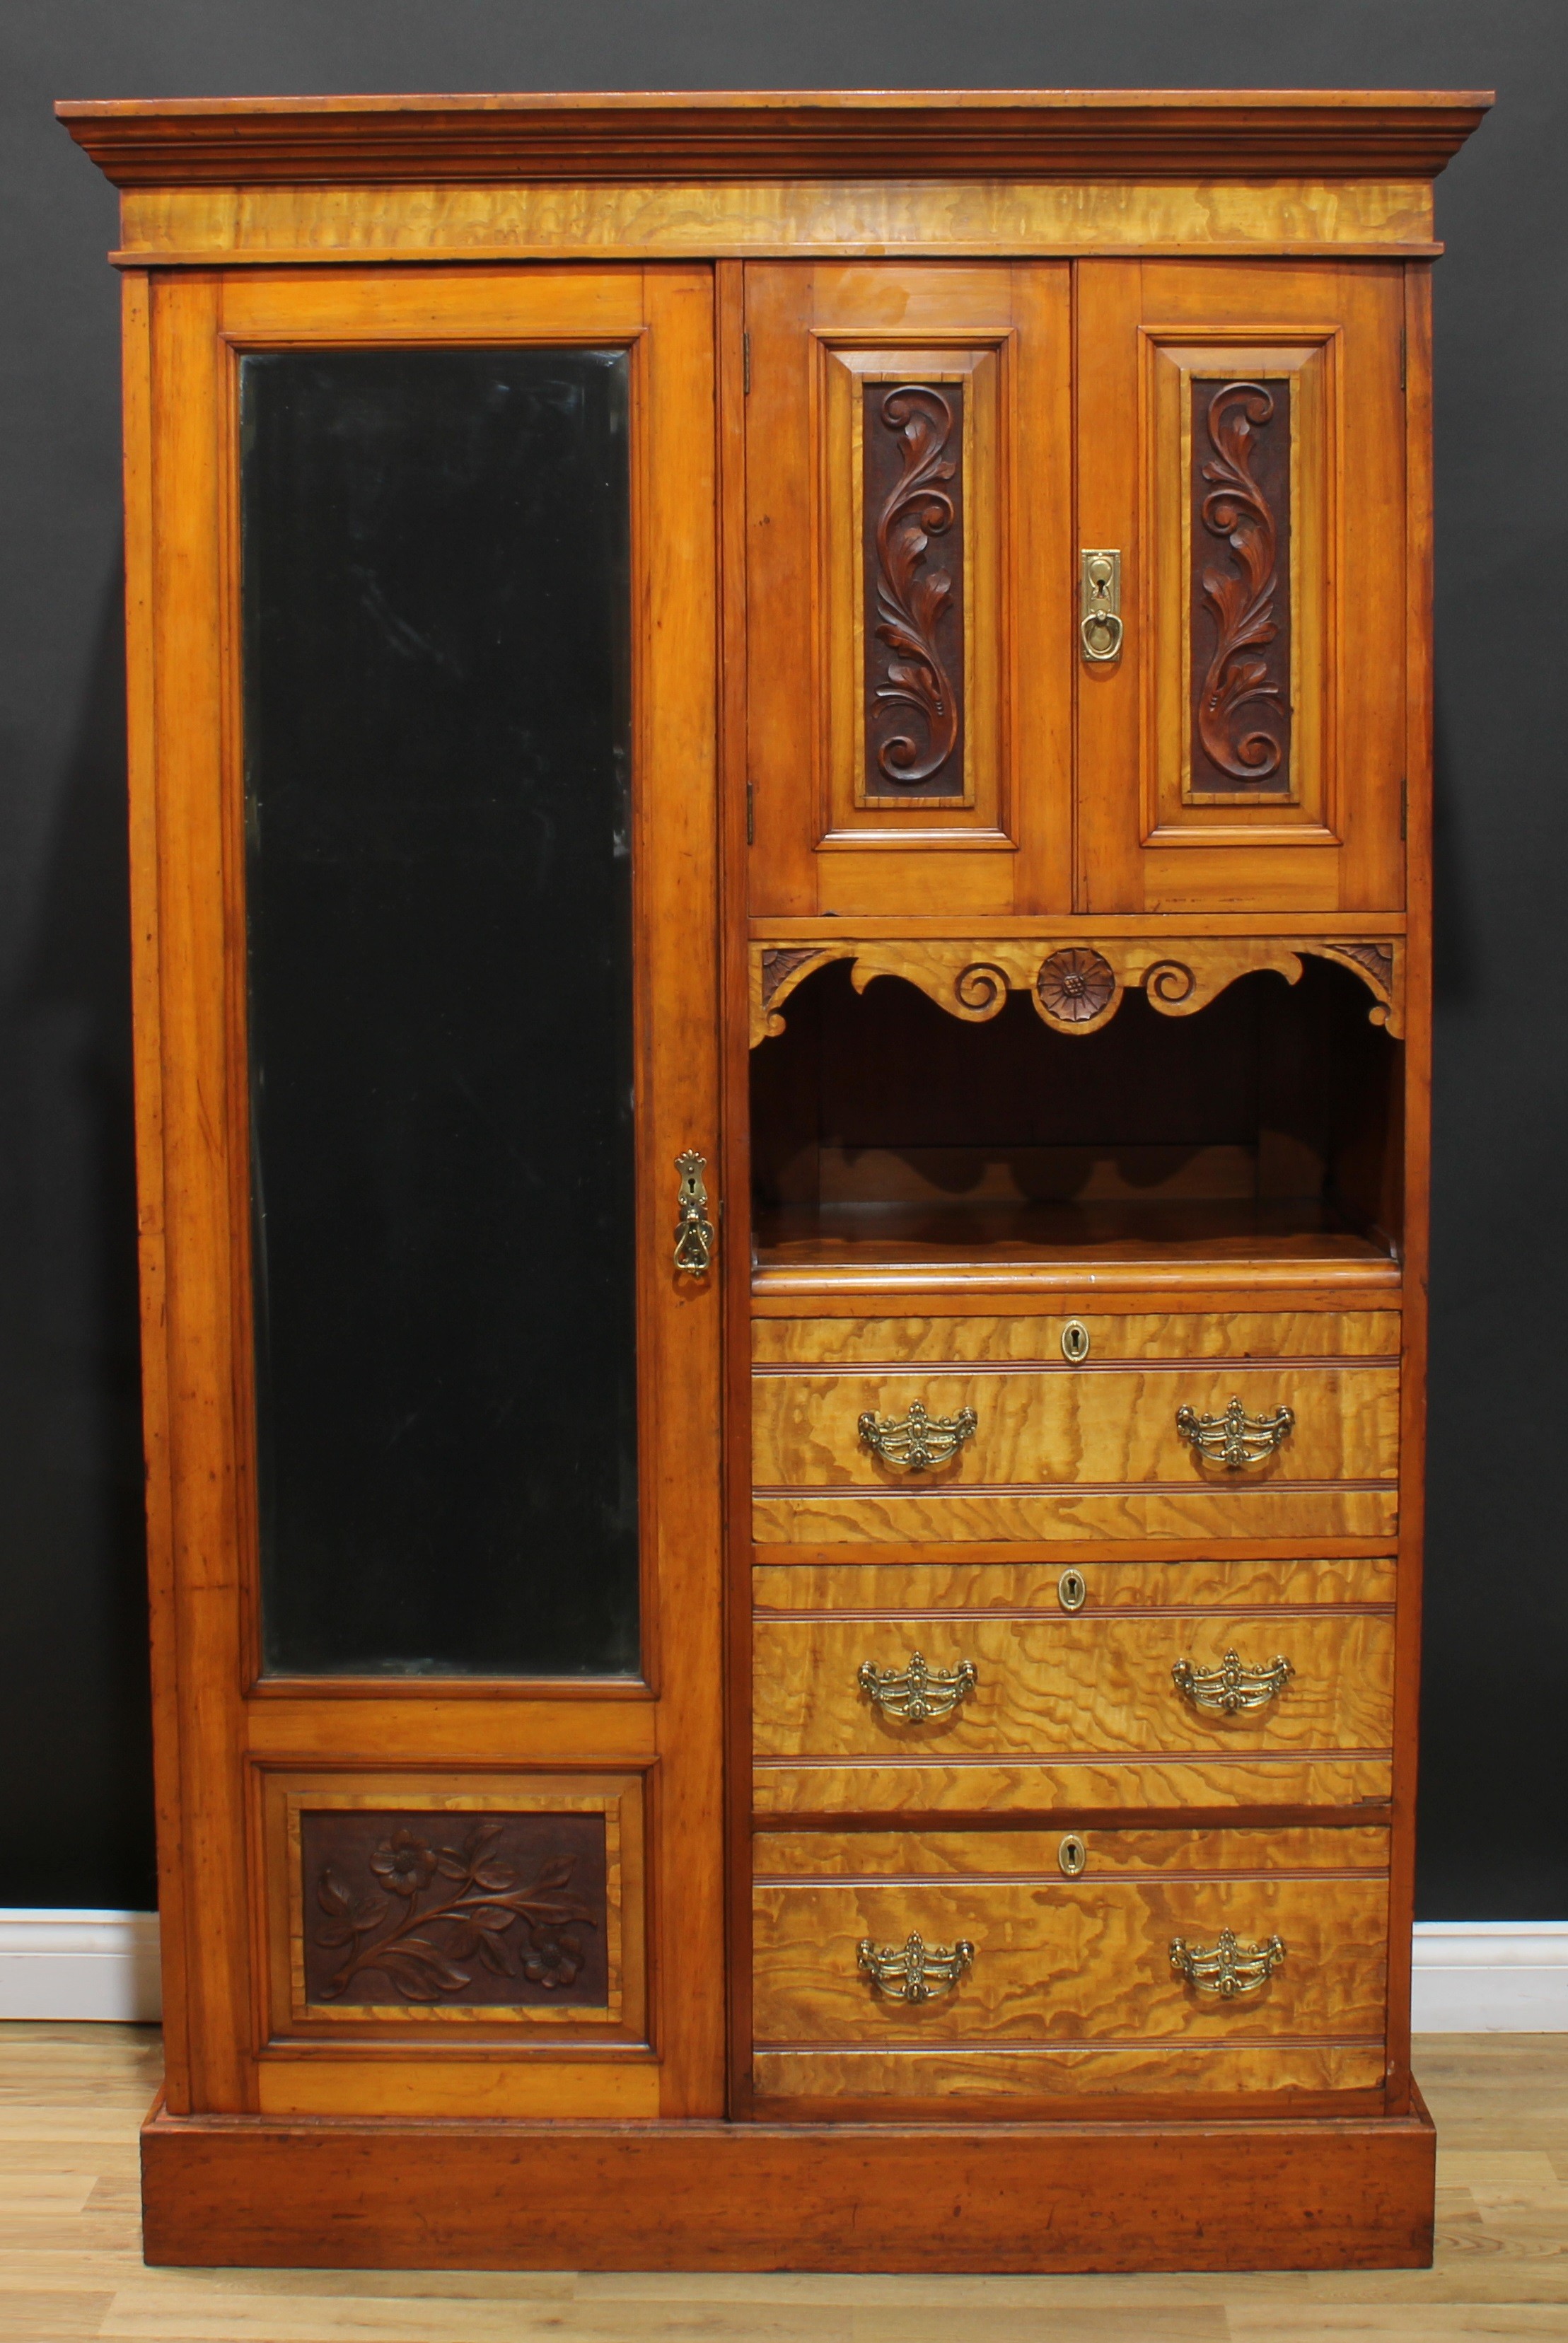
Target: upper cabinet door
909,577
1240,448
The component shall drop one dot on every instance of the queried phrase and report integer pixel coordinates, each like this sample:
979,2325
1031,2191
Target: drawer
1027,1692
874,1590
888,1342
1089,1452
1070,1985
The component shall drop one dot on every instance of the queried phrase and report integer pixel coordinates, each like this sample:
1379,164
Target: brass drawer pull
1235,1439
917,1692
1233,1686
694,1231
915,1441
917,1971
1227,1969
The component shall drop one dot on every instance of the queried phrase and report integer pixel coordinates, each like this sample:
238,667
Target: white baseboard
1470,1976
79,1965
1482,1976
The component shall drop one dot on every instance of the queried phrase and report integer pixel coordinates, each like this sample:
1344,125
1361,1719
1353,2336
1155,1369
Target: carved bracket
1076,986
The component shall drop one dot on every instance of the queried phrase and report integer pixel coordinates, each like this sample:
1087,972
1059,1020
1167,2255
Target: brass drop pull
917,1692
1233,1686
1235,1440
694,1233
1100,604
915,1441
915,1971
1226,1968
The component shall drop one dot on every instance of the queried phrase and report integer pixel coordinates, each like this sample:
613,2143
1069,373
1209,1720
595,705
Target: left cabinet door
422,597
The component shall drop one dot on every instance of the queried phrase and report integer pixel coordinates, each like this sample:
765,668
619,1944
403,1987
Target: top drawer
1319,1334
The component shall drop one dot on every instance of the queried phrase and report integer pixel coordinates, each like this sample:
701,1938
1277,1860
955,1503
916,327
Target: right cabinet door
1241,437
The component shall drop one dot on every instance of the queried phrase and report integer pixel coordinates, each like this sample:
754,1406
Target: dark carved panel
477,1911
1241,588
914,587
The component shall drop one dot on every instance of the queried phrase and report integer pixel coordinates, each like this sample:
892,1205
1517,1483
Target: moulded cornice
776,135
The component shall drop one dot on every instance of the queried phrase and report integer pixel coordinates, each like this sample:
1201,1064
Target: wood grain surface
1066,1684
965,1517
1037,1341
1096,1425
911,1586
949,2081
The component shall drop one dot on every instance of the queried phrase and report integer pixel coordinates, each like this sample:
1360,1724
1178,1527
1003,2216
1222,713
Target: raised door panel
908,686
1240,443
427,831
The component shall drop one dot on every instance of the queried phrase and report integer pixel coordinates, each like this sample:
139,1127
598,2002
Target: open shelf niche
1263,1126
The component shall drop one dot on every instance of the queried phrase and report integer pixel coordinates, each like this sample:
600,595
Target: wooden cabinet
779,795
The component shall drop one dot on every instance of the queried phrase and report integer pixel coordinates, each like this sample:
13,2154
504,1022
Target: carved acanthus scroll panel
911,591
411,1906
1241,477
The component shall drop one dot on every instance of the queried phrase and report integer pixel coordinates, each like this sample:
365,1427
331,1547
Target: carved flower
555,1959
1075,985
404,1863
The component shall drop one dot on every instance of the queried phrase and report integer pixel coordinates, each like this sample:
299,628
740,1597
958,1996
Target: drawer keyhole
1074,1341
1072,1855
1072,1590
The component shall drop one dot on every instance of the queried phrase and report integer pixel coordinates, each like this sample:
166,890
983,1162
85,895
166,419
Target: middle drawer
1002,1705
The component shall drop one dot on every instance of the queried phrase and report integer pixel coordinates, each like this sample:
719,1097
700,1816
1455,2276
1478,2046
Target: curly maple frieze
1076,986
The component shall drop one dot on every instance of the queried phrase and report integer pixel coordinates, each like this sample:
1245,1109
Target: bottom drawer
972,1964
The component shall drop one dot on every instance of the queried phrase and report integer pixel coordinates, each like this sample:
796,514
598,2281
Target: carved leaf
1242,600
910,605
332,1897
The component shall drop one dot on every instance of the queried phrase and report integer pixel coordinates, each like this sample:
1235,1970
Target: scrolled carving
1169,983
1242,600
980,990
912,599
1075,985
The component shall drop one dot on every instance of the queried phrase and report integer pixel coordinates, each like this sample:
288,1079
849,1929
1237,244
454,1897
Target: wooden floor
71,2098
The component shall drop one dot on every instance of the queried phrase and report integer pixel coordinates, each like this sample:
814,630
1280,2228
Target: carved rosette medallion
1241,621
913,561
1075,985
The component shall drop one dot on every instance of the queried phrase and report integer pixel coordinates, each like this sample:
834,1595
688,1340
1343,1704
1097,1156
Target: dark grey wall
73,1714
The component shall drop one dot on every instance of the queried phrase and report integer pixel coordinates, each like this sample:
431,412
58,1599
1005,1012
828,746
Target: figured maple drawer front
1066,1339
1185,1938
1041,1686
875,1590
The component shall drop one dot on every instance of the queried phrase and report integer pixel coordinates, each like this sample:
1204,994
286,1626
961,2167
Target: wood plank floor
71,2098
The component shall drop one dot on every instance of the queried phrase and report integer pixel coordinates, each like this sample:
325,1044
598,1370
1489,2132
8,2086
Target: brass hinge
752,818
746,365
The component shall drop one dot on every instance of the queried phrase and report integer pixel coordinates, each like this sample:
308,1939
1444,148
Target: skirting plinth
358,2194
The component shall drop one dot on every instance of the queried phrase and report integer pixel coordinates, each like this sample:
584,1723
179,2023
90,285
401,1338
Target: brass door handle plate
915,1692
694,1231
914,1971
1233,1686
1235,1440
1100,628
915,1441
1226,1968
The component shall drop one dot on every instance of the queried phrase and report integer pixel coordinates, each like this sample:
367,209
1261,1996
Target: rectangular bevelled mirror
437,694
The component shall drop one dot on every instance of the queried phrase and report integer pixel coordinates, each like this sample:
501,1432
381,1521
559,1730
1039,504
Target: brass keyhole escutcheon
1072,1855
1074,1341
1072,1590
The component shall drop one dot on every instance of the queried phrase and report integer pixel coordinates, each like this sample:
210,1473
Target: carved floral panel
912,551
457,1910
1240,583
